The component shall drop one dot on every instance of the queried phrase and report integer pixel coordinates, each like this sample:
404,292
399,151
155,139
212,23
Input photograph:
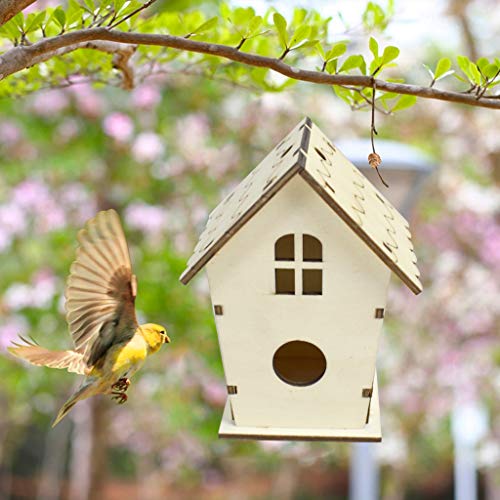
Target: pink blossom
272,446
49,104
146,97
17,296
224,160
193,132
10,330
119,126
10,133
149,219
51,218
214,392
89,102
12,219
489,250
79,201
439,235
67,130
39,294
147,147
30,194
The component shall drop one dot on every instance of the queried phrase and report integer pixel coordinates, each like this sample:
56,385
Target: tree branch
121,57
9,8
21,57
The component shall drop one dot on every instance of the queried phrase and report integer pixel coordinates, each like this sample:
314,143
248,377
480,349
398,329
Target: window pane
285,281
312,249
312,281
284,248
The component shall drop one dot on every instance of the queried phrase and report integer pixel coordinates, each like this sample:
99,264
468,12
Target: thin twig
132,14
373,130
374,158
367,101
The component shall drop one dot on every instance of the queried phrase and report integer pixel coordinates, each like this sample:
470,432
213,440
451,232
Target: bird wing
101,288
39,356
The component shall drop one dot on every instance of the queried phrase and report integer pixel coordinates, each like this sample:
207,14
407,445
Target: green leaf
490,71
345,94
470,69
321,51
481,63
476,75
10,31
307,44
463,63
390,53
207,25
331,66
301,33
241,16
36,21
374,16
280,24
373,44
254,25
442,67
91,5
60,17
355,61
18,20
74,13
405,101
336,51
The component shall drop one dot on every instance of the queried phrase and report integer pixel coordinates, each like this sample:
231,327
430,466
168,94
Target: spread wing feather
39,356
101,289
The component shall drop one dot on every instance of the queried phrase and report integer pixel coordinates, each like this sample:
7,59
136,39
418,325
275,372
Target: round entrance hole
299,363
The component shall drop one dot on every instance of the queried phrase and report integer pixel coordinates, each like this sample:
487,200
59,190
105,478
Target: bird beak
166,339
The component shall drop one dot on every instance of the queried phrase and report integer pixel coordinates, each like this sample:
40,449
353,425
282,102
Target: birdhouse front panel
296,295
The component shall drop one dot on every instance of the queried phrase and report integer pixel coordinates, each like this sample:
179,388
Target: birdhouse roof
307,152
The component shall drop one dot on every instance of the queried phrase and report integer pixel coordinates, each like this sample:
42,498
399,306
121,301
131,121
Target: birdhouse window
284,248
298,265
312,249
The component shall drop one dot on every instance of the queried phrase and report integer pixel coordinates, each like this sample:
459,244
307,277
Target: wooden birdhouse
298,259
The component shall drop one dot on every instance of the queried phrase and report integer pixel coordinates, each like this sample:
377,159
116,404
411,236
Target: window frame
299,265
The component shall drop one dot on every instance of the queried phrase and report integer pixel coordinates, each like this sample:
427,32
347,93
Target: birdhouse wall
253,321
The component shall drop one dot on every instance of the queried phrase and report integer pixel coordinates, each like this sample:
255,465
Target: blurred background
164,155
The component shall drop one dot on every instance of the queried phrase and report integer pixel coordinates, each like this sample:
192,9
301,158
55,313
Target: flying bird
109,344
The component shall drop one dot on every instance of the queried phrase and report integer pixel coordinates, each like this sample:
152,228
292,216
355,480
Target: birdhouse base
370,432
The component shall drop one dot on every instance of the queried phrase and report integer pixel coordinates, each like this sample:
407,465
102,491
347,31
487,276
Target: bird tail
37,355
84,392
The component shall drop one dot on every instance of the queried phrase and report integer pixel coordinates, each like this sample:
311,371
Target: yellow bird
110,345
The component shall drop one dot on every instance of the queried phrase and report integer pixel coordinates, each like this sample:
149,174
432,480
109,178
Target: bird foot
121,385
119,397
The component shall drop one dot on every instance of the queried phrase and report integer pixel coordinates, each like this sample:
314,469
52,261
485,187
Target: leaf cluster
303,37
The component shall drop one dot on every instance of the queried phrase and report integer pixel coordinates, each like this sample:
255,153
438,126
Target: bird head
155,335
